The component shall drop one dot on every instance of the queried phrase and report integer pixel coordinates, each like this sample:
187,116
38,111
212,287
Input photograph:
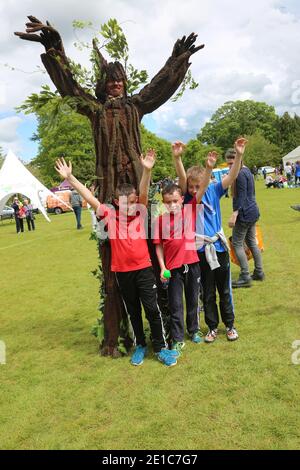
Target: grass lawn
58,393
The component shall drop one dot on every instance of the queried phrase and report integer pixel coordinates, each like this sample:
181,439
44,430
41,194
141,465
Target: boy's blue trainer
196,338
138,355
167,357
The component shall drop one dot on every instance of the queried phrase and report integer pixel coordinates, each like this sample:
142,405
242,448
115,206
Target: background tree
237,118
289,132
71,138
261,152
196,153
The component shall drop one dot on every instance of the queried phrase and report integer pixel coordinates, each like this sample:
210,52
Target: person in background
242,221
288,171
17,205
297,172
29,215
76,202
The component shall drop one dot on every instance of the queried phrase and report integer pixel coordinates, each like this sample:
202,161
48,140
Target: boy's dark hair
124,189
171,188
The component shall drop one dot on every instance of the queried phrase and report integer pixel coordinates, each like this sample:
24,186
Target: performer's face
115,88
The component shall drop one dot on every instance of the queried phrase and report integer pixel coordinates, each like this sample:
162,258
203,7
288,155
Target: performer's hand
211,160
186,46
178,148
49,37
148,160
64,169
240,145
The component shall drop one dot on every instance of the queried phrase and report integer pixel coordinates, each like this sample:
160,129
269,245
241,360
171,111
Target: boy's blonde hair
194,172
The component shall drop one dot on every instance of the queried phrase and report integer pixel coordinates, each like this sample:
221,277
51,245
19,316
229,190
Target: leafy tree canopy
260,152
236,118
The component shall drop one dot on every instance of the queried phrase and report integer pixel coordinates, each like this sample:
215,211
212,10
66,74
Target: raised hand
211,160
49,37
178,148
148,160
240,145
64,169
185,45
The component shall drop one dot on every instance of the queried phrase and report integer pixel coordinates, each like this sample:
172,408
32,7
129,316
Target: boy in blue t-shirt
212,245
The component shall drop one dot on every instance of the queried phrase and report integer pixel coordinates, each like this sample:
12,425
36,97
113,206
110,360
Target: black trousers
218,279
19,224
138,287
30,223
188,278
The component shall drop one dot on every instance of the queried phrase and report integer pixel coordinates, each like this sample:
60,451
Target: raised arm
56,62
168,79
205,179
239,147
177,150
147,162
65,171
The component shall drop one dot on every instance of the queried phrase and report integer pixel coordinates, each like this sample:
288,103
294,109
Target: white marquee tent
292,157
16,179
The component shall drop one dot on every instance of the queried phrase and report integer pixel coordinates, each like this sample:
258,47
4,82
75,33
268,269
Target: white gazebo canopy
292,157
16,179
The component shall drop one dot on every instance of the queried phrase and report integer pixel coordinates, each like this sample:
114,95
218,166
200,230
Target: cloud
9,138
250,53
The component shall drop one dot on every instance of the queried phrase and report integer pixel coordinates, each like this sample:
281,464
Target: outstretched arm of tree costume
168,79
57,63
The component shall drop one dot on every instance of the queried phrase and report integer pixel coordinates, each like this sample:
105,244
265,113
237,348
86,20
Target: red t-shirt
127,236
176,233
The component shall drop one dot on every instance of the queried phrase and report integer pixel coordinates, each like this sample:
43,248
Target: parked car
7,213
269,169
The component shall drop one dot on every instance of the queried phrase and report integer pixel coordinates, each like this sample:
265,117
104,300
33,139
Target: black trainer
258,276
242,282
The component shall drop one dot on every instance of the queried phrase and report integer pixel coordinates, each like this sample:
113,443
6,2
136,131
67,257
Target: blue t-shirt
212,213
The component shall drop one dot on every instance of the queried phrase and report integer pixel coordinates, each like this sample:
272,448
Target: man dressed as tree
115,121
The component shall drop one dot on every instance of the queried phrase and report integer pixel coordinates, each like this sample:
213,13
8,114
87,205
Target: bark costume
115,127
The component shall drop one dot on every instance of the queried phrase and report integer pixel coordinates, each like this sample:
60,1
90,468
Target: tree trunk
115,317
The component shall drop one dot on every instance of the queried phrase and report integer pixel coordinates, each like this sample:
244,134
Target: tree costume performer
115,119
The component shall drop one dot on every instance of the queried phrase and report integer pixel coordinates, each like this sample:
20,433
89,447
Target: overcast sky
251,52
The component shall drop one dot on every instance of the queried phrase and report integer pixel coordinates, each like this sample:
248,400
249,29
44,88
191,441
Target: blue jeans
77,212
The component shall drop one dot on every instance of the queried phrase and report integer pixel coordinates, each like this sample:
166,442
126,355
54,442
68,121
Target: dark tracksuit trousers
188,278
138,287
212,280
19,224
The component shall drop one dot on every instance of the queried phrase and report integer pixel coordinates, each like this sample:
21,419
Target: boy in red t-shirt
130,256
176,251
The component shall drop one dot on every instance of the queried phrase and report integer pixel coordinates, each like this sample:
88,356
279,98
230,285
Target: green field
58,393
